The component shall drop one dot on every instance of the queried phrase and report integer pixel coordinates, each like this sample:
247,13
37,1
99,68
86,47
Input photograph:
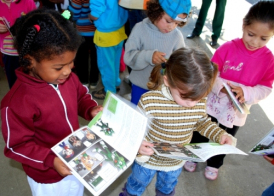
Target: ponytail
155,79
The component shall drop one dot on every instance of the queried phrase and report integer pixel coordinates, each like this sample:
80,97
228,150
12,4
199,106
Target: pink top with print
253,71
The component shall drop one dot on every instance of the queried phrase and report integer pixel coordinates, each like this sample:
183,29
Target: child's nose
67,70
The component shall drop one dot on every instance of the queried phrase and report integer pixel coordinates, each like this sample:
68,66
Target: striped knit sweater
175,124
81,10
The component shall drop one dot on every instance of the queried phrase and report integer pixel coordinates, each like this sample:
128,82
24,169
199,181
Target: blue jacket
111,16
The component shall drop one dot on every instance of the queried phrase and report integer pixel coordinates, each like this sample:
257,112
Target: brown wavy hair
262,11
155,12
189,70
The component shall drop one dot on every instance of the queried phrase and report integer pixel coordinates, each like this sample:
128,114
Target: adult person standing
216,24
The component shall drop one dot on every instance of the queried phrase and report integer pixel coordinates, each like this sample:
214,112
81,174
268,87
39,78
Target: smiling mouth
251,47
62,80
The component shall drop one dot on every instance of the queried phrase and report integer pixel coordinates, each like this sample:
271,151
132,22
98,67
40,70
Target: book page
207,150
98,155
121,126
265,146
175,151
198,152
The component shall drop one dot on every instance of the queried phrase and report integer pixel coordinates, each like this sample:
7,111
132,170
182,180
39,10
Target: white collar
166,92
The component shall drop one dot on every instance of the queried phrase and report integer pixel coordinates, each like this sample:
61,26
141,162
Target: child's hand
269,159
158,57
95,110
145,148
92,18
3,28
239,92
228,139
60,167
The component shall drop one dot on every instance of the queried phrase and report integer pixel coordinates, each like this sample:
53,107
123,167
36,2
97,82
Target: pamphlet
196,152
265,145
240,106
99,153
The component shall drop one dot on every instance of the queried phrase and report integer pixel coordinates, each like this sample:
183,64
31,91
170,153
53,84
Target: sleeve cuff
49,160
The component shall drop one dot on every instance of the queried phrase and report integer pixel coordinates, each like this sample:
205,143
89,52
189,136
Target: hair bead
37,27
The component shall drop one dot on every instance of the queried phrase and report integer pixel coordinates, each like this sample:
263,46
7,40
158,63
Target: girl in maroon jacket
43,106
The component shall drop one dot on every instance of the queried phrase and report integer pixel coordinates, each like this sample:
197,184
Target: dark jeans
269,191
215,161
86,70
218,19
11,63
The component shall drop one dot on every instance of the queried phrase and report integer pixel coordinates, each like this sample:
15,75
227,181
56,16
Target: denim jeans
269,191
136,93
140,178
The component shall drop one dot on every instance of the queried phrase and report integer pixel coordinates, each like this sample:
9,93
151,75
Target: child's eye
58,69
250,35
263,39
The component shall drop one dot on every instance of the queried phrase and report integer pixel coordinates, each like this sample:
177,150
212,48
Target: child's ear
31,61
165,81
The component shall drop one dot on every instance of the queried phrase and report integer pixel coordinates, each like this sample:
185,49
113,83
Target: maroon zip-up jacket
36,115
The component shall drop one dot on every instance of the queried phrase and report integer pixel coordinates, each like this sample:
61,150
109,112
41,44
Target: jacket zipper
64,105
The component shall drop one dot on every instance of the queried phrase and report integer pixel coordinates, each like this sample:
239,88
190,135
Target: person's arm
134,56
97,7
213,132
269,159
218,87
255,94
209,129
75,8
18,132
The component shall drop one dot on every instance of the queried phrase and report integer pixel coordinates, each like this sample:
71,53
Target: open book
196,152
99,153
265,146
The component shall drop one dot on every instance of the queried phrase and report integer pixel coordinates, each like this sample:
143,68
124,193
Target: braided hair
55,36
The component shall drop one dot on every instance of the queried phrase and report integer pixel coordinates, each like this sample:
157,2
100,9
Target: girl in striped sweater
177,104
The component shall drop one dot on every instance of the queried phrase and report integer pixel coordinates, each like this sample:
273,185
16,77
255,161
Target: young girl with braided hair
43,106
177,106
10,10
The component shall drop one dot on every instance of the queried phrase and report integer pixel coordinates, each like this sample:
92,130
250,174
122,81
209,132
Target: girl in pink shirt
10,10
247,66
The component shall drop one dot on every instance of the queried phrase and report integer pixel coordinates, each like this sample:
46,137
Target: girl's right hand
158,58
145,148
60,167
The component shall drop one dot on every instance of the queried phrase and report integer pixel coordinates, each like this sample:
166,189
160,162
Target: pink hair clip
37,27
